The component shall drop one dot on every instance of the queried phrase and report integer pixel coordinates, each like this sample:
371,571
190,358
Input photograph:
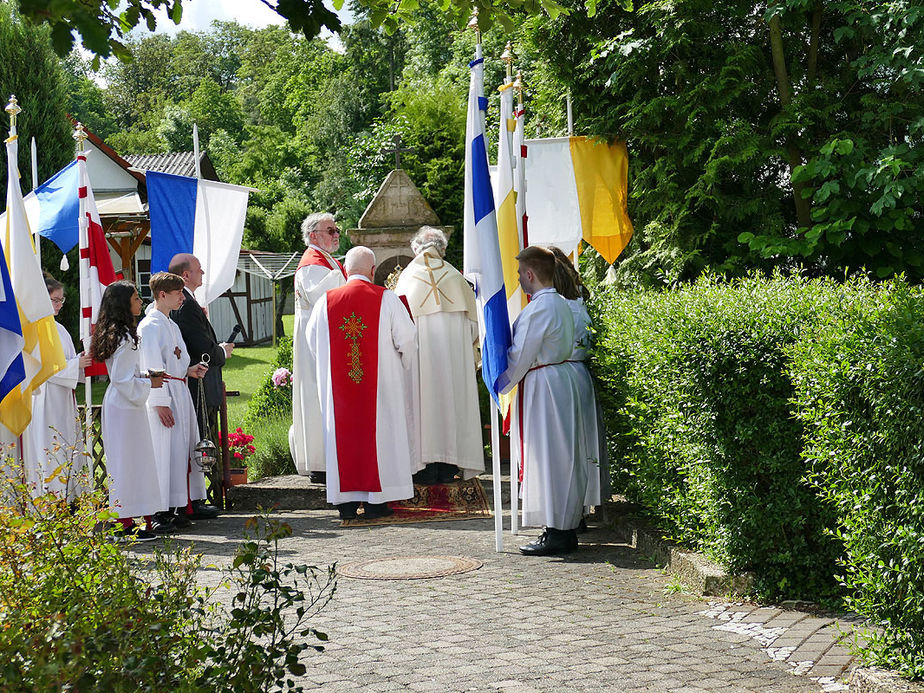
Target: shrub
272,457
776,424
698,401
79,613
269,400
860,396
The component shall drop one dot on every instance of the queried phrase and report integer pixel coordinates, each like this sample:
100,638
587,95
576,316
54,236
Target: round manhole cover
409,567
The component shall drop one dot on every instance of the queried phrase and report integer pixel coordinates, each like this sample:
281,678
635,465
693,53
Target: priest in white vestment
174,429
53,453
364,346
318,271
443,305
546,423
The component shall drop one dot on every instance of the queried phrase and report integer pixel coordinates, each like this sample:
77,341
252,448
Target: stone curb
295,492
698,572
708,579
873,680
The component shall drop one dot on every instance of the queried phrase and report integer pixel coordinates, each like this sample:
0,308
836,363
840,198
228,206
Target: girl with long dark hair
133,489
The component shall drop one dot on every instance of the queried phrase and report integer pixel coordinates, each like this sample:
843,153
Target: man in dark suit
200,340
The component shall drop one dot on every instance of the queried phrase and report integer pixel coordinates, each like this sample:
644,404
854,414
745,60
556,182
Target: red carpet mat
460,500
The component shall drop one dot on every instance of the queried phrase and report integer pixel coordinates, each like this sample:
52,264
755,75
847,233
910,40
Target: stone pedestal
395,214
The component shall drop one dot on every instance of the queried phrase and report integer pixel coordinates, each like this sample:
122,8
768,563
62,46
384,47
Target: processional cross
396,141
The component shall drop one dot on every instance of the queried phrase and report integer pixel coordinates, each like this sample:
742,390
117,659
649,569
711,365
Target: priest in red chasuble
318,271
364,346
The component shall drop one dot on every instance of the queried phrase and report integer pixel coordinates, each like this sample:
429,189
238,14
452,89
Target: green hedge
775,424
268,400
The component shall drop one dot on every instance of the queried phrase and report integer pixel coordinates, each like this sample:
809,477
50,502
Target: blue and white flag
202,217
12,368
58,208
52,208
482,258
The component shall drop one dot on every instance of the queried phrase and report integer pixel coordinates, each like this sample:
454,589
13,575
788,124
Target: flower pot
238,476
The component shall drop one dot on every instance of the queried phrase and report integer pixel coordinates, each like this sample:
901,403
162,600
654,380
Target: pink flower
281,378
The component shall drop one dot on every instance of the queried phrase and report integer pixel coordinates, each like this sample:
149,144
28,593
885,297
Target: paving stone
598,621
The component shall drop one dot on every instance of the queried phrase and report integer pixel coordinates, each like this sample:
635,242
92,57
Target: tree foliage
789,135
32,72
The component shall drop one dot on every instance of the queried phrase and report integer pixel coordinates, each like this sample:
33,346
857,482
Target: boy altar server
546,423
363,343
170,409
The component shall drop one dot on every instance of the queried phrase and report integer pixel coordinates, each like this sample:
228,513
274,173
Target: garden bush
698,398
271,399
776,425
80,613
272,457
859,382
268,417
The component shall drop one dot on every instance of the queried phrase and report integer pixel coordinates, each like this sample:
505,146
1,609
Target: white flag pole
84,279
496,471
196,150
38,236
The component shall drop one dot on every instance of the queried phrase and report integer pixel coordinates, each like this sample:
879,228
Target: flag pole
495,410
507,57
196,150
80,136
38,236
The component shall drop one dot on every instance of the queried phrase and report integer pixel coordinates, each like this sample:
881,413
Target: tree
102,29
782,135
33,73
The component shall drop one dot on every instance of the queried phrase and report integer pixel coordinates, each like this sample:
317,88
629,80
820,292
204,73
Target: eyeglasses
58,301
332,232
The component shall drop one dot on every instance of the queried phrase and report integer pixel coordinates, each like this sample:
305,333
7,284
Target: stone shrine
395,214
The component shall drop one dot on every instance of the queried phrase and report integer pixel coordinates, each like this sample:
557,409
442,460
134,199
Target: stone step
295,492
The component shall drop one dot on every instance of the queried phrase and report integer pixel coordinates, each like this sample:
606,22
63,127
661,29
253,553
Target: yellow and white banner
578,189
42,353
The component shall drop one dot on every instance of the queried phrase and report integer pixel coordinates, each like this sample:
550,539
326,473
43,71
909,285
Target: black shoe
203,511
551,542
181,521
162,523
317,477
348,510
582,527
427,476
125,534
376,510
447,472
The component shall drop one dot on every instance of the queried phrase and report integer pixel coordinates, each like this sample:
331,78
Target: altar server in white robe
134,487
546,424
363,342
317,272
443,306
568,284
171,415
53,443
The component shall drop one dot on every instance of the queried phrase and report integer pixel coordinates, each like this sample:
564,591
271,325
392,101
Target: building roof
177,163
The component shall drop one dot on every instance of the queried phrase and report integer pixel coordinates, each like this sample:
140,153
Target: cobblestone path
604,619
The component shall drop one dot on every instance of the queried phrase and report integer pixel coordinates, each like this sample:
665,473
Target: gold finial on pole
473,24
518,87
14,110
507,57
79,135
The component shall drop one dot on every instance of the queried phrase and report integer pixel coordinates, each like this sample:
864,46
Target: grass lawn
244,372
